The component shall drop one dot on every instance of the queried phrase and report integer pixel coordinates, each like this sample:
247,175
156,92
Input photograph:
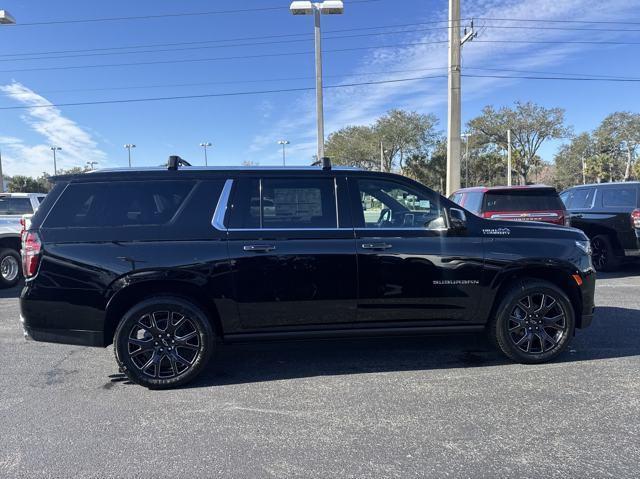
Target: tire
526,312
10,268
163,342
604,256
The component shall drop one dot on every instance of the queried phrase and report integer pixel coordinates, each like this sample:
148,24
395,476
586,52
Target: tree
354,146
392,139
429,170
618,136
25,184
530,124
569,161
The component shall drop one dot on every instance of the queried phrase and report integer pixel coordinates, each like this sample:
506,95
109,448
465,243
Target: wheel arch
558,276
125,298
11,242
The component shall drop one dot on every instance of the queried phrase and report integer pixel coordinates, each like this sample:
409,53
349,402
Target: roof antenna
175,161
326,163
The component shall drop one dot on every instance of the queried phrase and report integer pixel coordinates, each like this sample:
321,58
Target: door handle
576,216
376,245
259,248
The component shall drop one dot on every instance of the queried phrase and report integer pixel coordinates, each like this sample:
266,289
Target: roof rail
175,161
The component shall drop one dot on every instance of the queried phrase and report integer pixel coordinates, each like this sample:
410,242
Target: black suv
166,263
609,213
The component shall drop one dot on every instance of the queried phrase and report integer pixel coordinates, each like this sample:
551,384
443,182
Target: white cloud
78,145
361,105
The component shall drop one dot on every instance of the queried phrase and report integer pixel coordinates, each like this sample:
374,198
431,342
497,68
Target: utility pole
381,156
284,144
584,171
55,165
204,146
454,127
128,146
509,157
1,176
328,7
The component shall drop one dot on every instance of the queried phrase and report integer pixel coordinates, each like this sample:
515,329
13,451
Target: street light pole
466,159
5,19
55,165
128,146
204,146
284,144
328,7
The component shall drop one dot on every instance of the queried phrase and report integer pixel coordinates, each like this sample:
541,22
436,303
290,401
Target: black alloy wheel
603,255
163,342
537,323
534,322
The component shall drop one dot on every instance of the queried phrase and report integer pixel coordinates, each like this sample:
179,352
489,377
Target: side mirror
457,219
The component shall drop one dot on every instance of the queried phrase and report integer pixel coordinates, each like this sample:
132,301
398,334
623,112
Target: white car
15,210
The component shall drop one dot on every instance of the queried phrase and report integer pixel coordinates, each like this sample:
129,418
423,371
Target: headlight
584,246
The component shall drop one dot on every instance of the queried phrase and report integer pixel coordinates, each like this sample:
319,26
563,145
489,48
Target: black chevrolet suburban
167,263
609,214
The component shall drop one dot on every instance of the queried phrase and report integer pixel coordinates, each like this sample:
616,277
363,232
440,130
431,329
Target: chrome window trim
221,207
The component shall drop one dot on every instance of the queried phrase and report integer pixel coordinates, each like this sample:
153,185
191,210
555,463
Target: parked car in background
514,203
167,263
15,209
609,214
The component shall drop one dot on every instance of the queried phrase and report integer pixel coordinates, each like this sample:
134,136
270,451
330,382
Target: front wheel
534,322
163,342
604,256
10,268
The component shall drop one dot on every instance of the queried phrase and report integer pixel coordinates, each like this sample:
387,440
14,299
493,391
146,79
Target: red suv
515,203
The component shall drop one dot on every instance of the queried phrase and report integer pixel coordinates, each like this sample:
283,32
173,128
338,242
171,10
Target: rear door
412,268
293,253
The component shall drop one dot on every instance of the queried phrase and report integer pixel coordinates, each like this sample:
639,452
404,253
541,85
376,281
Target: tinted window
473,201
387,204
15,206
115,204
580,198
291,203
456,197
619,197
522,200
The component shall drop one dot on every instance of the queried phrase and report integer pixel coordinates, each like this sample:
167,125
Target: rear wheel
603,254
534,322
10,273
163,342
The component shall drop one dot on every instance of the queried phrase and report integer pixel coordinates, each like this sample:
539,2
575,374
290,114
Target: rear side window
286,203
580,198
15,206
117,204
619,197
522,200
473,201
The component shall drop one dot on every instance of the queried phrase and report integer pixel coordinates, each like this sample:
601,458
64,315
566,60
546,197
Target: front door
411,266
293,253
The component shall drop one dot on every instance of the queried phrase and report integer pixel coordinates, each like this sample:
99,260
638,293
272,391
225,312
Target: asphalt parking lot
404,407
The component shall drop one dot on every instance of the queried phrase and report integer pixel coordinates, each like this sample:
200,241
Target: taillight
31,247
635,218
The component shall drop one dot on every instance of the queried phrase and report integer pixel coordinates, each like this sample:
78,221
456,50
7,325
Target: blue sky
248,127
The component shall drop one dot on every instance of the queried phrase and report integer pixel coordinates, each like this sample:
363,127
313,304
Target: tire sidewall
510,301
175,304
16,255
611,262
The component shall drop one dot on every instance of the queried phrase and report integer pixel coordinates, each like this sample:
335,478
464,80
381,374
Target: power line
167,15
223,40
545,72
557,42
272,42
539,20
629,80
231,82
213,95
302,89
197,60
